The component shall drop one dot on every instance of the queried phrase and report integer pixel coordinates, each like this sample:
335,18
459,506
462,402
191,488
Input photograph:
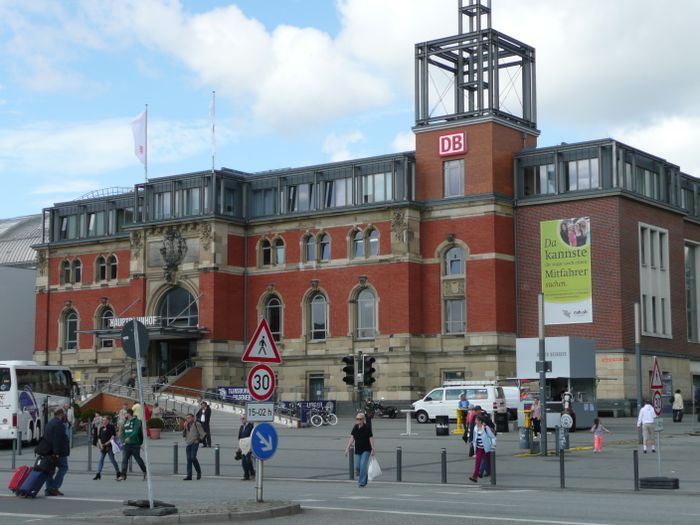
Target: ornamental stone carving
399,225
173,252
136,239
453,287
206,235
41,262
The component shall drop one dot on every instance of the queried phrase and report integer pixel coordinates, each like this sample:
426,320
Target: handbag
374,470
244,445
117,444
43,448
471,450
45,464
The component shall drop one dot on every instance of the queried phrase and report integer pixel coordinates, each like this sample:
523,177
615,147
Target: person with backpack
484,443
132,436
194,434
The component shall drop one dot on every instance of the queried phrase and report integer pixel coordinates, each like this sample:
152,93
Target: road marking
18,515
458,516
454,501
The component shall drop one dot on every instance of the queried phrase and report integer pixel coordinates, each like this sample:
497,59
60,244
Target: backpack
43,448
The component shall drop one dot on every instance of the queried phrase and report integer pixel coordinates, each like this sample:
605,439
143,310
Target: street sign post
260,411
261,382
263,442
657,402
262,347
657,382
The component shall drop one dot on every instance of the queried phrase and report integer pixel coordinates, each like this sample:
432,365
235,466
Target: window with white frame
654,281
318,317
101,268
582,174
273,316
310,248
105,317
112,267
453,171
324,247
70,330
692,292
366,314
77,270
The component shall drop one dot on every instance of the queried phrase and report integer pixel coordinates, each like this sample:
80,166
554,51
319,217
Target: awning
156,333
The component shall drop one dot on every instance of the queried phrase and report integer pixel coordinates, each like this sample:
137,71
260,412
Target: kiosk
571,382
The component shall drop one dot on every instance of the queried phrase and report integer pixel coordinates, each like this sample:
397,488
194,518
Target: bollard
14,454
561,468
351,463
635,459
443,465
175,458
89,461
398,463
493,466
19,443
217,458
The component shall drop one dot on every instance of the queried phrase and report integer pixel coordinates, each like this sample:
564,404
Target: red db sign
452,144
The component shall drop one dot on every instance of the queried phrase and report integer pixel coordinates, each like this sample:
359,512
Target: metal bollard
351,463
493,467
175,457
14,454
635,459
562,453
443,465
217,459
19,442
398,463
89,461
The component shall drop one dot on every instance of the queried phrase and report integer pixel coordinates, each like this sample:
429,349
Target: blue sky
303,82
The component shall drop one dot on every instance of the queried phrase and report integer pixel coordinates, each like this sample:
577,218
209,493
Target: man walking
193,434
244,433
57,437
203,416
361,435
132,436
646,421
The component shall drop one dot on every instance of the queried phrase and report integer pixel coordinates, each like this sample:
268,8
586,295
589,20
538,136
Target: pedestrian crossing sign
262,347
656,381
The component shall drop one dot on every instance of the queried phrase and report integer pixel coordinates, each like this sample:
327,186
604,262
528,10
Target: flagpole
213,130
145,164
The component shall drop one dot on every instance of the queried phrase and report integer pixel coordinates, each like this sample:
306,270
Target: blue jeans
56,481
247,464
362,463
191,451
103,453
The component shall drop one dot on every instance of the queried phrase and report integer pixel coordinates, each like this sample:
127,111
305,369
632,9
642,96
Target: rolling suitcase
18,478
32,485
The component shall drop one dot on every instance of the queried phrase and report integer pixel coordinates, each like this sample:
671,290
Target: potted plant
155,425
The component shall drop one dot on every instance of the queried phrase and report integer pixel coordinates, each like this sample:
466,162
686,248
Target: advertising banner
234,393
565,255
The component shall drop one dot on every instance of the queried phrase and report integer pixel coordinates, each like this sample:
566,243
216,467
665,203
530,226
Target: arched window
101,268
112,266
318,317
324,247
266,252
178,308
107,314
77,270
279,251
273,316
70,330
65,272
454,261
366,314
373,239
310,248
358,241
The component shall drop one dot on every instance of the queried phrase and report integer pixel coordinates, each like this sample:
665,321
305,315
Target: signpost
264,444
657,386
260,411
261,382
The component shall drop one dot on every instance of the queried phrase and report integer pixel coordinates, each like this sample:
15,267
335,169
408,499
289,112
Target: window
366,314
192,201
582,174
70,330
300,197
96,224
318,317
163,203
376,187
69,227
310,248
454,177
124,218
229,201
324,247
112,266
77,267
337,192
373,243
455,316
365,244
65,272
266,252
540,180
692,252
279,251
101,268
263,202
654,284
273,316
107,314
454,261
179,308
358,241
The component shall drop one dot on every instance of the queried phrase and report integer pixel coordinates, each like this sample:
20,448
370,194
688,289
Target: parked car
442,401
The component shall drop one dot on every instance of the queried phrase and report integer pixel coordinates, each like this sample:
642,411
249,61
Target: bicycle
323,417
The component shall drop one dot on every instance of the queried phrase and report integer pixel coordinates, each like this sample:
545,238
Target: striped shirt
479,441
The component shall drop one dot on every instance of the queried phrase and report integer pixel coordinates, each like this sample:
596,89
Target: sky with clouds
301,82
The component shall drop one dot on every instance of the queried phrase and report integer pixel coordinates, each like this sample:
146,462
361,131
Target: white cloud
404,142
337,147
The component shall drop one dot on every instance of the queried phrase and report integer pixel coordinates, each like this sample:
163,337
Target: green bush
86,415
155,422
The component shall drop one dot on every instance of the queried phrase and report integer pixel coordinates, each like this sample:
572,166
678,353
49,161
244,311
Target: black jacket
107,433
207,416
57,437
245,430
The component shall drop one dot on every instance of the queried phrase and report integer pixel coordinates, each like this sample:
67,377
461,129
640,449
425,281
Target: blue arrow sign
264,441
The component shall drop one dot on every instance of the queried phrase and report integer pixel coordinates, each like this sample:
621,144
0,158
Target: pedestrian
535,417
105,433
94,427
131,382
484,443
463,407
132,437
244,433
646,421
121,417
204,417
69,419
194,434
598,430
485,468
138,413
58,439
363,439
677,407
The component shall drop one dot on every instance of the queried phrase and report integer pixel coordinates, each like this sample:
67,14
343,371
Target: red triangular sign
262,347
656,381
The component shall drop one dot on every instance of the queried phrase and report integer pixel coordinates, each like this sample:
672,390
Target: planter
155,433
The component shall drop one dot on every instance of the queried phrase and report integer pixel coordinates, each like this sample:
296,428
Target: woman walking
484,443
363,439
105,433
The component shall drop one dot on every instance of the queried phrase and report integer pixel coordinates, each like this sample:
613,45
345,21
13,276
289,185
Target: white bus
29,393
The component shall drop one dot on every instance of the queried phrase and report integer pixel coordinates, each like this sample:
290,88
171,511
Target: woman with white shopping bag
363,439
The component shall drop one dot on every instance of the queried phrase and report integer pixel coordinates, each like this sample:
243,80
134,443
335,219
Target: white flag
138,126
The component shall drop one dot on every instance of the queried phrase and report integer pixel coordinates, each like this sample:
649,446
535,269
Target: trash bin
442,425
501,421
524,438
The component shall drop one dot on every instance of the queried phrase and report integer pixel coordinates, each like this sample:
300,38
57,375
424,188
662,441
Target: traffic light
369,370
349,369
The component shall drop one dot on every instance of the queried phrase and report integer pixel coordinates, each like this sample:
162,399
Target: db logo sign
453,143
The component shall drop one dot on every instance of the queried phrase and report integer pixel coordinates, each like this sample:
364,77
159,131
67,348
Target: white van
442,401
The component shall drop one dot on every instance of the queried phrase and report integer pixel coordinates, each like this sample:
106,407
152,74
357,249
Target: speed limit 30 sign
261,382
